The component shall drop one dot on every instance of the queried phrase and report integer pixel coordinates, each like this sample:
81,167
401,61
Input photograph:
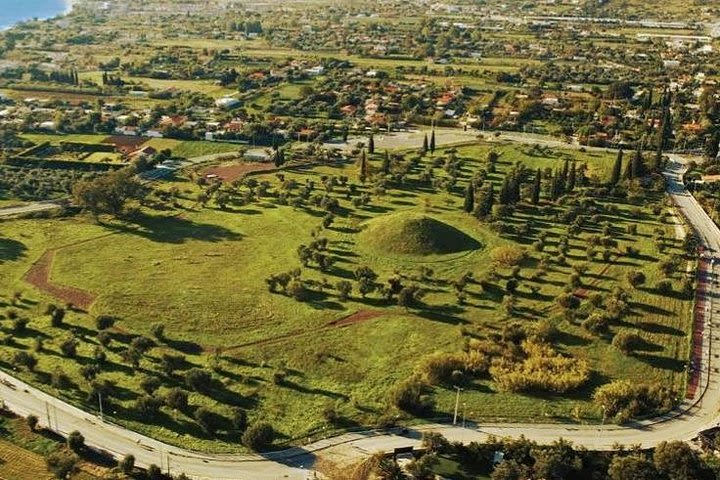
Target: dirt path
40,272
39,277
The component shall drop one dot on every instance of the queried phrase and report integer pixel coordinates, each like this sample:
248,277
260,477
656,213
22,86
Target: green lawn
202,271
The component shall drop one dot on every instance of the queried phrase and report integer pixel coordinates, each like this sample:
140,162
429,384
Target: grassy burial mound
415,234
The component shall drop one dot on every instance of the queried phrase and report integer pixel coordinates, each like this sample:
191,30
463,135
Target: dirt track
39,276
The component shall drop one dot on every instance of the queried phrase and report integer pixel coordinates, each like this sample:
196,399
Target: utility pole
100,404
457,404
47,411
464,410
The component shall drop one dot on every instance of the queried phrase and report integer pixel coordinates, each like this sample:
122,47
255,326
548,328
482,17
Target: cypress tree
363,168
649,99
556,186
371,144
425,144
635,168
485,201
432,142
617,169
564,173
712,146
279,158
572,177
514,188
469,204
386,163
505,191
581,179
535,192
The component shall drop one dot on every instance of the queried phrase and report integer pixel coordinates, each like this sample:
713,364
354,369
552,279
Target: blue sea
14,11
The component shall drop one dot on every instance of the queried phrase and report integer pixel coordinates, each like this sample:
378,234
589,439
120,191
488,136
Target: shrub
24,359
207,420
438,368
664,287
541,369
32,422
148,405
596,323
62,464
198,379
127,464
623,400
69,347
150,383
508,256
177,398
238,419
410,396
568,301
636,278
545,331
434,442
75,441
258,436
103,322
627,342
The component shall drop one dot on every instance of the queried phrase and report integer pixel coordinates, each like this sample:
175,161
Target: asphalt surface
684,423
29,208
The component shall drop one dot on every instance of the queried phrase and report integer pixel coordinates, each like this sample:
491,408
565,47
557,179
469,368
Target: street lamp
457,404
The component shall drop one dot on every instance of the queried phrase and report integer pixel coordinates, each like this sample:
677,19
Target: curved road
690,418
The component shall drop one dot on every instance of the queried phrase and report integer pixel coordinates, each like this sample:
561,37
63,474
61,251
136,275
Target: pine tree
425,146
617,169
371,144
363,175
469,204
432,142
537,185
572,177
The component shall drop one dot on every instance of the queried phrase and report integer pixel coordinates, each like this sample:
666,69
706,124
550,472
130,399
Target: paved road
683,424
29,208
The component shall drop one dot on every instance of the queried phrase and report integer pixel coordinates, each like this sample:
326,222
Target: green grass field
202,271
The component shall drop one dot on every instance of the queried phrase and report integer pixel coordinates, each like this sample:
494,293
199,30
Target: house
154,134
176,121
227,103
315,71
50,125
349,110
126,131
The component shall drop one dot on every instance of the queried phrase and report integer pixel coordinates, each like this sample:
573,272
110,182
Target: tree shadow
175,230
652,327
11,250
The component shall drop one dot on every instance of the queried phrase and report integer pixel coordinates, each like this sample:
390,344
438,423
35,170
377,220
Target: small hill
413,234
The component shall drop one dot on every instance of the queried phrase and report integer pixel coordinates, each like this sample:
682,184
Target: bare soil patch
125,143
39,276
